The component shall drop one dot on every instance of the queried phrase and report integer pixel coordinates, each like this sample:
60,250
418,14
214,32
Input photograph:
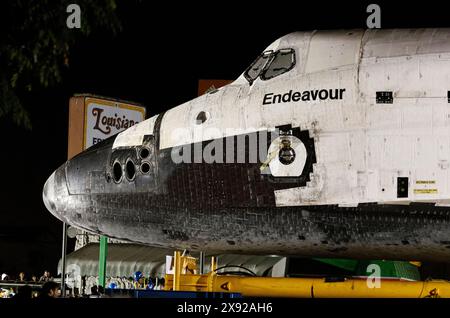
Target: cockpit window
283,62
257,66
271,64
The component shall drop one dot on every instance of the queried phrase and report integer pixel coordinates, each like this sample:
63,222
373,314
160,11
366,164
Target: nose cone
48,194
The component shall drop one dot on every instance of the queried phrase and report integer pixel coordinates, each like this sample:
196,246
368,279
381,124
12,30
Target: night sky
157,60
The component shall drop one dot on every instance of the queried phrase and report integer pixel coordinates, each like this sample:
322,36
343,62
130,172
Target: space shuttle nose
48,194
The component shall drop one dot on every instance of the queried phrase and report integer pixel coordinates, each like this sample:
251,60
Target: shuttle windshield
271,64
257,66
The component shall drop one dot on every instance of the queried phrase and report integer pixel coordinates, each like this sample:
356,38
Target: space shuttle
330,144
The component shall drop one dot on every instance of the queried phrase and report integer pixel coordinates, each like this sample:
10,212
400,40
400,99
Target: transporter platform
185,279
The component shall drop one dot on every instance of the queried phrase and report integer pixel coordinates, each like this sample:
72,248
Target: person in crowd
23,292
112,285
150,283
94,292
34,279
46,277
21,278
5,276
50,290
138,280
161,283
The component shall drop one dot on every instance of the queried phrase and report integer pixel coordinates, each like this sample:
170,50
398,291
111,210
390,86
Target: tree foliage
35,45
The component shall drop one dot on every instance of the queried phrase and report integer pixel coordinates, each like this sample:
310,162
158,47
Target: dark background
157,60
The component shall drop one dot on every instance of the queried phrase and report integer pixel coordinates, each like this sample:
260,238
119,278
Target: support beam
176,270
202,263
63,260
102,261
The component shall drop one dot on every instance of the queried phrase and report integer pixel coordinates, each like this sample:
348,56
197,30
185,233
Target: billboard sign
105,118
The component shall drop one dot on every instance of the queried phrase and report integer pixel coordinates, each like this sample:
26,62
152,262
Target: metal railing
4,283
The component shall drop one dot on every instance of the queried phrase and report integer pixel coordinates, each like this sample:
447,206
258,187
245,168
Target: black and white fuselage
332,144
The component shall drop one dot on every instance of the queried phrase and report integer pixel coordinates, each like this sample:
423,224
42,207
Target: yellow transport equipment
184,280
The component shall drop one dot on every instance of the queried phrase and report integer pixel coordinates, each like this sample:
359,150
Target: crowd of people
46,288
22,278
138,281
29,287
